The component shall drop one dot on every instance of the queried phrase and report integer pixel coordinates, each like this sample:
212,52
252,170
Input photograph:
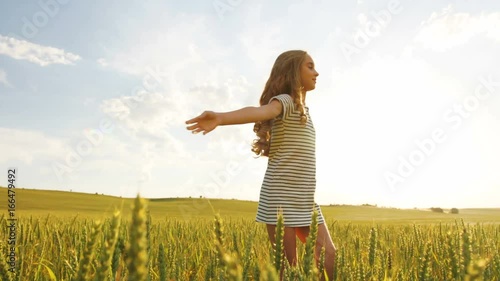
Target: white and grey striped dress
290,181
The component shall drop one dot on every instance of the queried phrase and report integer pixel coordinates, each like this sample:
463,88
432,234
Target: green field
31,202
75,236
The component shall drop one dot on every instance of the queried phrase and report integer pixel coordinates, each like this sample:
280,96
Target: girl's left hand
205,122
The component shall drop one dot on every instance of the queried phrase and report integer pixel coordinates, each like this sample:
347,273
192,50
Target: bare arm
251,114
209,120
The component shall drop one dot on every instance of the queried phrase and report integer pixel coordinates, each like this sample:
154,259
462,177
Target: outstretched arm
209,120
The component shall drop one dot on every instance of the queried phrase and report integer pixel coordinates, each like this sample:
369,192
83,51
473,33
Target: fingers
192,127
194,120
194,124
197,118
197,130
207,131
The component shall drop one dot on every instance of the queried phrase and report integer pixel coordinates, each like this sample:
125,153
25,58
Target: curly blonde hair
284,79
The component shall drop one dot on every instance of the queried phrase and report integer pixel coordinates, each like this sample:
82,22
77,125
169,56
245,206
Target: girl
285,134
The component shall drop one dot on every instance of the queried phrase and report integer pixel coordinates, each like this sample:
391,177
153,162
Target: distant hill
33,202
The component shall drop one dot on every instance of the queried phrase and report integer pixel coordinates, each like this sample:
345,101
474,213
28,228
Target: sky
94,96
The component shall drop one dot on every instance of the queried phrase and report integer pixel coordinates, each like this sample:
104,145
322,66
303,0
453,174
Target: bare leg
289,243
323,240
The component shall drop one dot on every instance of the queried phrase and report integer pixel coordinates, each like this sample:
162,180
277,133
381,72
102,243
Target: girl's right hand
205,122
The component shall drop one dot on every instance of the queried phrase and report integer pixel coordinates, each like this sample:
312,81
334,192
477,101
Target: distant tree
454,211
437,210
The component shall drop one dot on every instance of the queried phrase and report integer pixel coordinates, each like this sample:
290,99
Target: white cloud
150,113
377,112
493,106
27,146
38,54
153,115
149,120
262,40
179,81
3,78
102,62
180,42
447,29
172,73
155,122
60,162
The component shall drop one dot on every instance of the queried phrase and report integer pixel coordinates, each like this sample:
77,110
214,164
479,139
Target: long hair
284,79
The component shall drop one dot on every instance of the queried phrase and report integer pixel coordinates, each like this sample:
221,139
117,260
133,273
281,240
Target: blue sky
94,95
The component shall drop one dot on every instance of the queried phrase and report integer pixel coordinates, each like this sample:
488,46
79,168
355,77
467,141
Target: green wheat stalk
108,249
137,255
309,267
278,247
88,255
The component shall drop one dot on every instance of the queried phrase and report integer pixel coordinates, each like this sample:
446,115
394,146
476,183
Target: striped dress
290,180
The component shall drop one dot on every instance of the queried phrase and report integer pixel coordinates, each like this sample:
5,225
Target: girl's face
308,74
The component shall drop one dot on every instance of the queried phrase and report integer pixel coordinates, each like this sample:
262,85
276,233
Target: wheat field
135,246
